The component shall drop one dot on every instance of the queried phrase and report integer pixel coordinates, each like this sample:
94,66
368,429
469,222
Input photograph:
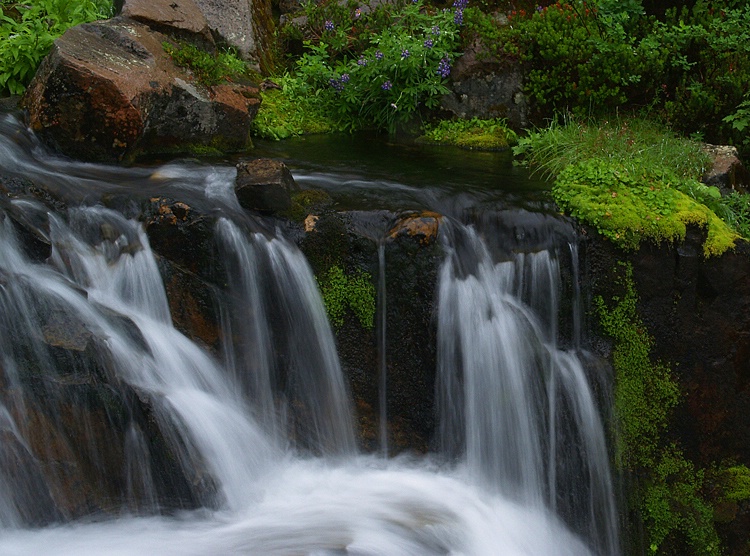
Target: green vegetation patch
634,181
491,134
353,291
28,30
291,110
629,208
670,498
209,69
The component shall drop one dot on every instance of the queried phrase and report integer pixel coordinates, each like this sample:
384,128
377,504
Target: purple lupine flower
436,30
458,17
404,53
386,86
379,55
328,25
362,61
345,78
444,67
337,84
460,4
429,43
539,9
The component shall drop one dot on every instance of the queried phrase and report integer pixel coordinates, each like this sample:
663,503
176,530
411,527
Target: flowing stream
252,449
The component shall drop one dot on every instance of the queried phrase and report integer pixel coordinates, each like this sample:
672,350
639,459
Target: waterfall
121,435
514,406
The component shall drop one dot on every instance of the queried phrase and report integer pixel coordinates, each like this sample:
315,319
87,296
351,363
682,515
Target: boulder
264,185
178,18
727,172
246,25
109,92
485,87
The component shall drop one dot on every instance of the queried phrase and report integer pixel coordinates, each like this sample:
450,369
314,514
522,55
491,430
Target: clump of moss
670,496
290,110
353,291
492,134
629,208
209,69
307,201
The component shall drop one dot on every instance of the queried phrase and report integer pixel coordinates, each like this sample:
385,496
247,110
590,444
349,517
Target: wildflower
387,85
429,43
328,25
338,84
436,30
394,106
404,53
379,55
362,61
345,78
460,4
357,13
539,9
458,17
444,67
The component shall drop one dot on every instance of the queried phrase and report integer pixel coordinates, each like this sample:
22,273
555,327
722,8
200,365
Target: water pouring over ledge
260,436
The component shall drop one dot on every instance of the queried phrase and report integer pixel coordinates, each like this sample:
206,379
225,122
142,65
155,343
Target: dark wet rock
265,185
412,258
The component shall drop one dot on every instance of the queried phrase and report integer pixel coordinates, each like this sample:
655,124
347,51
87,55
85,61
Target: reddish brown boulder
180,18
109,92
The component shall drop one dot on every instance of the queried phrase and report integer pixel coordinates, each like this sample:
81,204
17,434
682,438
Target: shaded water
262,433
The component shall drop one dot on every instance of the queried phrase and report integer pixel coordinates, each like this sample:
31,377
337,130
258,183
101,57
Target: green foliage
633,181
645,391
628,208
670,497
354,291
634,143
293,109
378,67
28,29
489,134
209,69
673,505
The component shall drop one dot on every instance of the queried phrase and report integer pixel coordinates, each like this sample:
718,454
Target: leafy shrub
471,134
378,68
28,29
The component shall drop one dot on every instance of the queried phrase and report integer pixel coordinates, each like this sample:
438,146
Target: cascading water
253,452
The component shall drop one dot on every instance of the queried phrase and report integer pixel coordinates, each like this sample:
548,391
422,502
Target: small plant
208,69
28,30
355,292
292,109
492,134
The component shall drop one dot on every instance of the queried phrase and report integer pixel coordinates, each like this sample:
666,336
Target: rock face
486,88
246,25
727,172
109,92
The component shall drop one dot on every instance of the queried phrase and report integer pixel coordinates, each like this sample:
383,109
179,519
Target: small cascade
285,312
382,362
513,405
108,411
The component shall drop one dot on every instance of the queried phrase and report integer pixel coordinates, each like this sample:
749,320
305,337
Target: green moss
209,69
291,111
669,495
629,207
342,291
307,201
492,134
